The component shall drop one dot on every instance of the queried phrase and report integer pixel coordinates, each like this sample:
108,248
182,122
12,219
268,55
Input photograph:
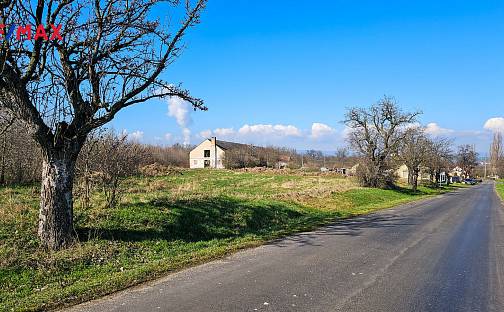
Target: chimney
214,144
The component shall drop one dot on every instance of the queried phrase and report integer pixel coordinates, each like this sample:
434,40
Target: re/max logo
27,32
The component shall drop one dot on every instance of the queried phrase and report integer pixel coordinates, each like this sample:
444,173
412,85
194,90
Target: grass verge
165,224
499,187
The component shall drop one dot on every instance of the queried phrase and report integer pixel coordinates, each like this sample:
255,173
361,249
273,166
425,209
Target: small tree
118,158
341,154
414,152
376,134
497,155
467,159
439,158
106,159
98,57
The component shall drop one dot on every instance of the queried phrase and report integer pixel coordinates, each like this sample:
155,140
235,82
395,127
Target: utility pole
486,163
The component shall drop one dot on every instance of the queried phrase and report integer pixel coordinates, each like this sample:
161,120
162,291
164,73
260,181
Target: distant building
342,171
457,172
217,154
403,174
283,162
211,153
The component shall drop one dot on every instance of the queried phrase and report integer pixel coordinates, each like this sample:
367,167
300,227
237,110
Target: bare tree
314,154
376,133
87,61
341,154
439,158
175,155
414,152
244,156
496,154
467,159
117,158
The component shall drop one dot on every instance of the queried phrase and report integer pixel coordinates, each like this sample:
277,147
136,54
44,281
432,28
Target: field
165,224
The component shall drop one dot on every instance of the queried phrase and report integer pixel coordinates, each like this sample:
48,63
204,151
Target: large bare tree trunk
415,181
56,206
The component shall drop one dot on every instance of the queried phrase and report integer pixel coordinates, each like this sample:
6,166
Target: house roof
231,145
284,158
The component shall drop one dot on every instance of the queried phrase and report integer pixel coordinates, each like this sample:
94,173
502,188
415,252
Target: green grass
165,224
499,187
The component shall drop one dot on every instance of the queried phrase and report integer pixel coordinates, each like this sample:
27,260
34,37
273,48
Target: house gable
206,155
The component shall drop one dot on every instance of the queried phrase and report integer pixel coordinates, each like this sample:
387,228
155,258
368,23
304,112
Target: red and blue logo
28,32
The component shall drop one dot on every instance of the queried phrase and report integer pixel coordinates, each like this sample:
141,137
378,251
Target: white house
403,174
457,172
207,155
210,153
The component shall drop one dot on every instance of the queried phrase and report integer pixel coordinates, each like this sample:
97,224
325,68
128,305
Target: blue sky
288,70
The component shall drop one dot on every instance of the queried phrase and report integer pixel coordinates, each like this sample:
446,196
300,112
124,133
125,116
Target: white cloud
435,130
346,132
180,110
187,136
168,136
495,124
411,125
224,132
318,136
324,137
205,134
319,130
276,130
136,136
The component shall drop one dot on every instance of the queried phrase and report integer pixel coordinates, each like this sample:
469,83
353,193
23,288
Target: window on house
195,162
206,153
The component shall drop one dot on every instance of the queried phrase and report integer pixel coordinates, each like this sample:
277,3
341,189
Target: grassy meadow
167,223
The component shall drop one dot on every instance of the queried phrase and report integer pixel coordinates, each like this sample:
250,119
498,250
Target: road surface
443,254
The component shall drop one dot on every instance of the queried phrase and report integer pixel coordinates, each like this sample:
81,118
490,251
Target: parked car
456,179
470,181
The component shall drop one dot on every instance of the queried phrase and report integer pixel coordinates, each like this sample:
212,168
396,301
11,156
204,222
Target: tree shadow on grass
206,219
408,191
196,220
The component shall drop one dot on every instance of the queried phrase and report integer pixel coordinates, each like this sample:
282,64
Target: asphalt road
443,254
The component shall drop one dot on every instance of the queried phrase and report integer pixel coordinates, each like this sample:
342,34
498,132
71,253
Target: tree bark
56,206
415,181
2,163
